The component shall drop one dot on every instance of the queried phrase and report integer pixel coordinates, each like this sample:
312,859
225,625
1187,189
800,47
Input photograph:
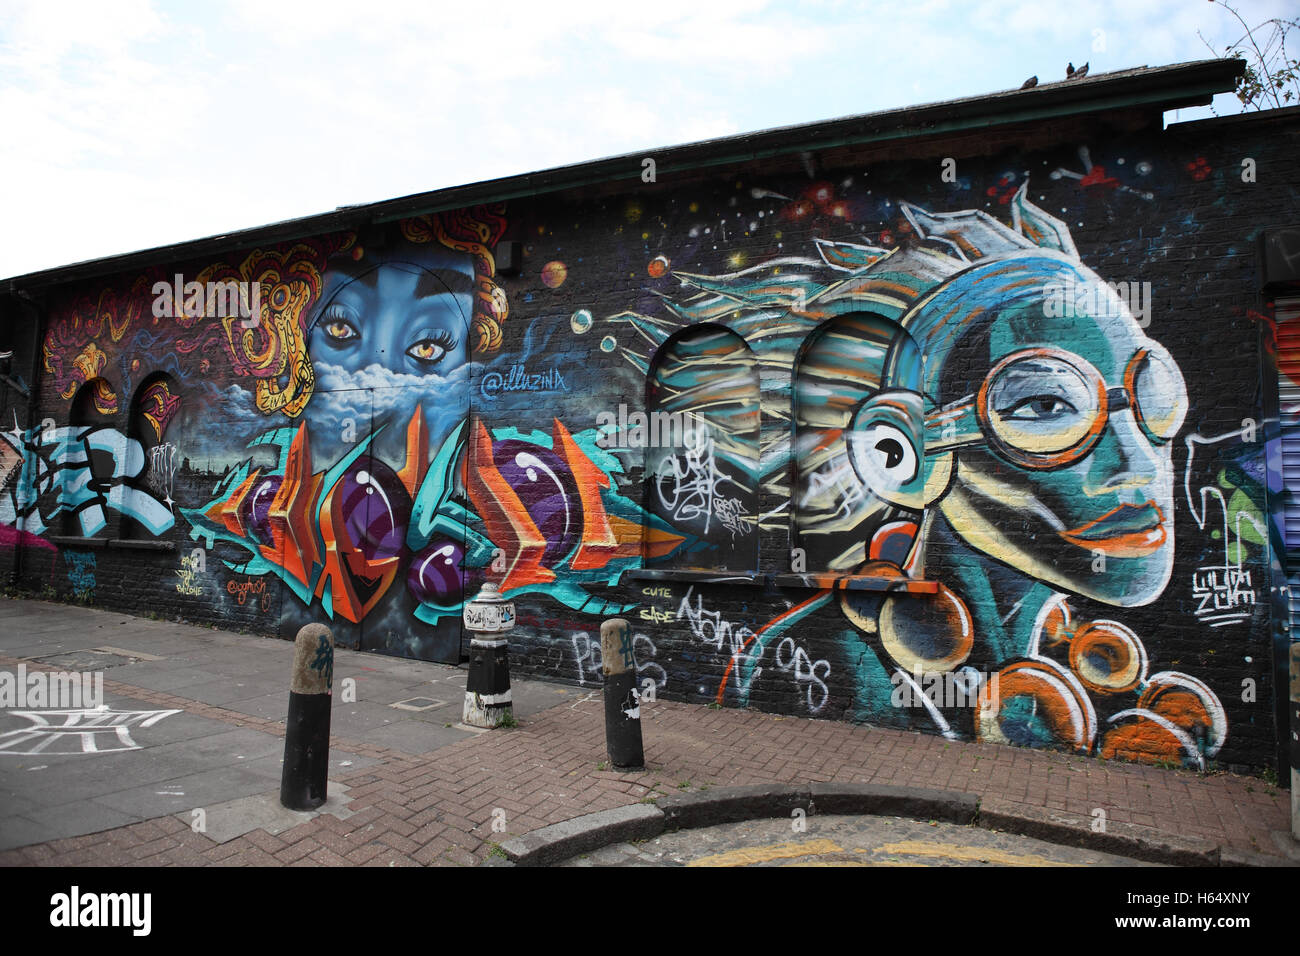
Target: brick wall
771,252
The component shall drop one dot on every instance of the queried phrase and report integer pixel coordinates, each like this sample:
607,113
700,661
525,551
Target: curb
950,806
559,841
706,808
643,821
1075,829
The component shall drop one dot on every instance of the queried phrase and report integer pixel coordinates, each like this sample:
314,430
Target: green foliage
1272,76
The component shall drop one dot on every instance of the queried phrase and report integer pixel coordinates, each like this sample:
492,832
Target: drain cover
418,703
90,659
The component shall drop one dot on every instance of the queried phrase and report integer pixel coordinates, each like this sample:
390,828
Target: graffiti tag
189,576
695,491
518,379
241,590
741,645
81,573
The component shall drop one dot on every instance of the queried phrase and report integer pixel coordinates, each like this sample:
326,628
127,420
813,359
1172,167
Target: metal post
487,688
622,701
307,733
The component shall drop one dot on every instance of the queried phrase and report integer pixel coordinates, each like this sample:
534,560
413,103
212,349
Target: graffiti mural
850,445
1058,419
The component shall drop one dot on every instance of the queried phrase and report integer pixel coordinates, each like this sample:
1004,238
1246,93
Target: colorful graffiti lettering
343,536
82,472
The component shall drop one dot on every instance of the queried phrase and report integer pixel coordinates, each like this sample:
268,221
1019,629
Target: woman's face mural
1063,446
408,315
393,330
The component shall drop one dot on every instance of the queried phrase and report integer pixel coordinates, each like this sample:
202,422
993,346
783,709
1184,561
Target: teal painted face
407,317
1062,450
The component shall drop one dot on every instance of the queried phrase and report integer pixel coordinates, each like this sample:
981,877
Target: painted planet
608,343
658,266
434,576
581,321
554,273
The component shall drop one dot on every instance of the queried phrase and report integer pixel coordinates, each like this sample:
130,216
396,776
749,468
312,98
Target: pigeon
1069,70
1031,82
1072,74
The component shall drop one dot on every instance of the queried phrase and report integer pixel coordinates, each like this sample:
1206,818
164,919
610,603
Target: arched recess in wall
154,409
701,438
853,364
93,406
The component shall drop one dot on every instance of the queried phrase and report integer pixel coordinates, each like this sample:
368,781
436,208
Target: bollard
487,687
622,701
307,734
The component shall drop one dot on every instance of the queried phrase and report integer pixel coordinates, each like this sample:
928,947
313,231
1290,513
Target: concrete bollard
307,733
622,701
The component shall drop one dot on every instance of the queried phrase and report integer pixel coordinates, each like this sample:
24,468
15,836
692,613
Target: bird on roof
1072,74
1069,70
1031,82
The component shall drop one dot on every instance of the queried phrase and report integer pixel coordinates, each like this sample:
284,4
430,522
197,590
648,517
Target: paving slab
434,807
234,818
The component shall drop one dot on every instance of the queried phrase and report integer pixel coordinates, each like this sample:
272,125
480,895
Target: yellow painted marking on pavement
969,853
828,863
762,854
854,863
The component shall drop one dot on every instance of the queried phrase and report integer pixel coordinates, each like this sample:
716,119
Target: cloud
136,123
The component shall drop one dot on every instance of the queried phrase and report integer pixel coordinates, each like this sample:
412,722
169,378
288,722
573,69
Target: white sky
134,123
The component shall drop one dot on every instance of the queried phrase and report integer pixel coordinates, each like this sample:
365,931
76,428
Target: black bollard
307,734
622,701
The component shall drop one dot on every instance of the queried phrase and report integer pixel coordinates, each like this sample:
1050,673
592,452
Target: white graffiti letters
746,652
694,487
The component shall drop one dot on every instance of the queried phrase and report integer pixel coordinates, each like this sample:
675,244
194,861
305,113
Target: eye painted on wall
430,349
338,325
1039,408
890,454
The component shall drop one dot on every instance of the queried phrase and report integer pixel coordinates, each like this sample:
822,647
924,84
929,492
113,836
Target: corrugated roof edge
1167,86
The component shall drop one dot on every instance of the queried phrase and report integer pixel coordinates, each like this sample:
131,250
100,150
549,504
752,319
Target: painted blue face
400,316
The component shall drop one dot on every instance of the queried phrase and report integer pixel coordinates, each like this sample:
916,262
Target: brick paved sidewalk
437,808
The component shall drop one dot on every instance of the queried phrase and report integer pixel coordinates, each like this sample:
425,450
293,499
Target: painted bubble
608,343
375,508
434,576
548,491
581,321
255,510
